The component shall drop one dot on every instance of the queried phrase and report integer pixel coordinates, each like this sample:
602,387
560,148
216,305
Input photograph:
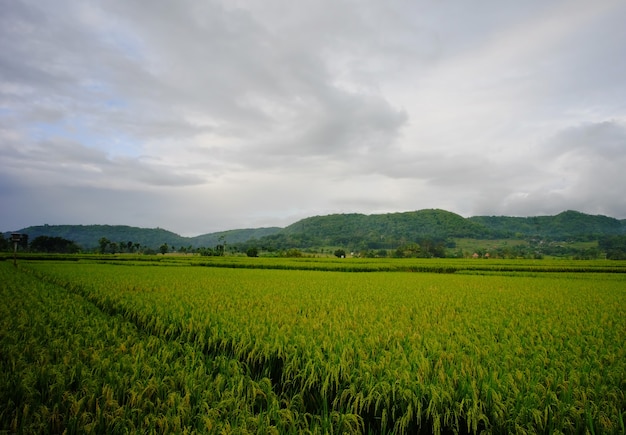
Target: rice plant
327,352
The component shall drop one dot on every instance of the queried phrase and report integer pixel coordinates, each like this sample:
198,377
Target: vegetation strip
385,352
68,367
429,265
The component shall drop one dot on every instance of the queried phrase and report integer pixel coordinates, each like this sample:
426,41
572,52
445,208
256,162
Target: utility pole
16,238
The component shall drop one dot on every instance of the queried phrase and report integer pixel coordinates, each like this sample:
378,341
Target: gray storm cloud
200,117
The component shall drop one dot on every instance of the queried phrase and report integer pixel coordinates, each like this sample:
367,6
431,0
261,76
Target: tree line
610,247
61,245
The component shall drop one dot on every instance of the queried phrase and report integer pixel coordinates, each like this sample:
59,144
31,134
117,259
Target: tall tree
104,244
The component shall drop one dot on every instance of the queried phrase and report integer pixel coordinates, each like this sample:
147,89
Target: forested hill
568,224
358,231
380,230
89,236
355,231
232,237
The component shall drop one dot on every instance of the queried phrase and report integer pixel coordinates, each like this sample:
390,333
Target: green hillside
88,236
413,224
566,225
232,236
354,231
381,231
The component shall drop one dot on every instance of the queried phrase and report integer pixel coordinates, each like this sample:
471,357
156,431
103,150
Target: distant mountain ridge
353,230
568,224
380,230
88,236
387,231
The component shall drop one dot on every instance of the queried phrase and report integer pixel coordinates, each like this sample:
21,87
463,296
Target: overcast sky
199,115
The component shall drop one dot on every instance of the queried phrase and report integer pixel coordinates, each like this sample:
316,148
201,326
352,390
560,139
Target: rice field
97,346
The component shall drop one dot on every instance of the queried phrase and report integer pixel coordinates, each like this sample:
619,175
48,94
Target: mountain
377,231
388,231
88,236
566,225
232,236
354,231
413,224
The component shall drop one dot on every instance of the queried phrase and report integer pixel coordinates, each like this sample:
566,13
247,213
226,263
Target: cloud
582,169
603,140
68,163
270,111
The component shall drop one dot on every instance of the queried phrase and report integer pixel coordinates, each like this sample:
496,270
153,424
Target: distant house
475,255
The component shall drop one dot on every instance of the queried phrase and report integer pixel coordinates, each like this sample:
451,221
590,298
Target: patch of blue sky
41,131
123,41
105,93
78,131
115,103
121,145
